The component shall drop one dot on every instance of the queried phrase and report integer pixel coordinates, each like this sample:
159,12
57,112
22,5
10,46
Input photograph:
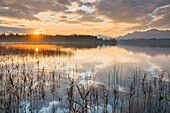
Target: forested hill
56,38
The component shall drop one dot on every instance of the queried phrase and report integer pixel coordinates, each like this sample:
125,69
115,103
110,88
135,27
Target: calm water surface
99,59
84,65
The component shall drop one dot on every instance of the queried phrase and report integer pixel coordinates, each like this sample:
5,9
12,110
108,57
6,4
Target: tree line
11,37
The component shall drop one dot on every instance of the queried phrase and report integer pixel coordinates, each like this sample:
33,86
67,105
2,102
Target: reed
25,89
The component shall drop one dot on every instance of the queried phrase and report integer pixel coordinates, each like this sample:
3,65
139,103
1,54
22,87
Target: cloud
80,12
17,14
69,21
127,11
142,13
80,16
90,17
64,2
27,9
135,12
118,11
161,16
159,19
139,12
4,22
4,29
83,2
138,27
11,23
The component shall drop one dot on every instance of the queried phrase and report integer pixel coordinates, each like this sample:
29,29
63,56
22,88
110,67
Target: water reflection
152,51
38,50
59,45
101,59
49,79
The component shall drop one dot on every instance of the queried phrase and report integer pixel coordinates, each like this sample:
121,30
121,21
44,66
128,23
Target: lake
45,77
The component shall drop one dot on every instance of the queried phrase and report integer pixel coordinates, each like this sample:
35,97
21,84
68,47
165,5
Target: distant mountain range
150,34
104,37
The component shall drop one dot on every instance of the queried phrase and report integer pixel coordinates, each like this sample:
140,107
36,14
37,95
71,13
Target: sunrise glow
36,49
84,56
36,32
90,17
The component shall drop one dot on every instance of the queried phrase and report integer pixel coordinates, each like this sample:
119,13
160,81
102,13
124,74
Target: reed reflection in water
50,81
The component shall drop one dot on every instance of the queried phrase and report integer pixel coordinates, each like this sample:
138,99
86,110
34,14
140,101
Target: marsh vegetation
28,84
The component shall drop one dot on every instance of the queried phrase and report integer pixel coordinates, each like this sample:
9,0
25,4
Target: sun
36,49
36,32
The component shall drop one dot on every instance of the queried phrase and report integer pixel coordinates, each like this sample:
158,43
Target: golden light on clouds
90,17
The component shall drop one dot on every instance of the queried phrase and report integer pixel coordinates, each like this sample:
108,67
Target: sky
93,17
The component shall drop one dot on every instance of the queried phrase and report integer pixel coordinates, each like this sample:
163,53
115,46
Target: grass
25,52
